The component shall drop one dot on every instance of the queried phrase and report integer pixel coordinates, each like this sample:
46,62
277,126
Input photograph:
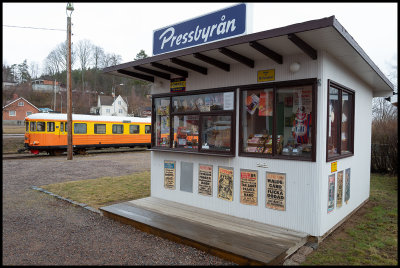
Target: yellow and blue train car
46,132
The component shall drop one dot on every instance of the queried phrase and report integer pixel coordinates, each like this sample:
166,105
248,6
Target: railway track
11,156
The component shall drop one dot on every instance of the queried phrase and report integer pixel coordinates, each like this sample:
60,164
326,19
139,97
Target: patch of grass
104,191
369,238
11,145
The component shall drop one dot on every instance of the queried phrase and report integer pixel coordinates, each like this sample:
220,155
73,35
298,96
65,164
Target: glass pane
162,130
99,128
118,129
79,128
27,126
347,108
333,123
50,126
41,126
257,121
216,133
294,121
204,102
147,129
33,126
134,129
186,131
185,103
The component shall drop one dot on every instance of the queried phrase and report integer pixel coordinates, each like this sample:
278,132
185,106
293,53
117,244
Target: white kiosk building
273,127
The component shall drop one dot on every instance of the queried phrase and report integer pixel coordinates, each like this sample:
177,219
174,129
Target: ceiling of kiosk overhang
325,34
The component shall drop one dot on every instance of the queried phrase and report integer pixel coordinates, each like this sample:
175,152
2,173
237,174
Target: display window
197,121
277,120
340,128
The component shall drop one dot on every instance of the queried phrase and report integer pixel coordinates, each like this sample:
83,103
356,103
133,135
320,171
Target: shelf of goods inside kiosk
262,143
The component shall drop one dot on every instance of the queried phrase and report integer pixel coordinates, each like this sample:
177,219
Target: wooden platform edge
238,259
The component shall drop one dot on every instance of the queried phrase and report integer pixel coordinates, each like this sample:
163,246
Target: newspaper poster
225,183
302,98
347,186
339,193
331,192
169,174
276,191
248,187
205,179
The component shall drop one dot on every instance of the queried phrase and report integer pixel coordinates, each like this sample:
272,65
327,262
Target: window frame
349,91
275,85
49,124
112,128
131,127
95,130
21,102
173,113
14,113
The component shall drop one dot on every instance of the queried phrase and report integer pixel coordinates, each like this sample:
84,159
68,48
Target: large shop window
277,120
195,122
340,130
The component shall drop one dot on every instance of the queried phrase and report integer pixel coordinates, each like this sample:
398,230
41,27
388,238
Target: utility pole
55,96
69,90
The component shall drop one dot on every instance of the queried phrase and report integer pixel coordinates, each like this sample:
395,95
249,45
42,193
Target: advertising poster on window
266,105
339,194
276,191
252,103
169,174
205,179
229,100
347,186
331,192
225,183
163,108
248,187
302,98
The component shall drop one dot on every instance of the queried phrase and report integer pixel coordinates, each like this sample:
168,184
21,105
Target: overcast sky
126,28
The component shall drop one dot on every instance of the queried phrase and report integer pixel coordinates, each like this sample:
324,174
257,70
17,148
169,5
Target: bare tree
34,69
84,51
56,61
98,56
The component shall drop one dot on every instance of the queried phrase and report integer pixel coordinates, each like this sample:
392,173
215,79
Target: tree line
88,80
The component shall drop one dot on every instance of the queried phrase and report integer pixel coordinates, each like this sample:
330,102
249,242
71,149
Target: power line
34,28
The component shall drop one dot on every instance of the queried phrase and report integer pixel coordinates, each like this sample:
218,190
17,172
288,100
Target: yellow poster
225,183
248,187
205,179
333,166
266,75
169,174
276,191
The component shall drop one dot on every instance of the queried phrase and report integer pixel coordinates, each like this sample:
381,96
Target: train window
117,129
41,126
99,128
134,129
80,128
50,126
147,129
33,126
27,126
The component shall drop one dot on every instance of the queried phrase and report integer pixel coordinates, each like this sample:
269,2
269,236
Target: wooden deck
239,240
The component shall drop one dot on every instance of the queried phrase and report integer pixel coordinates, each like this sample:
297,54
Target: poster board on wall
339,194
248,187
331,192
169,174
225,183
276,191
205,179
347,186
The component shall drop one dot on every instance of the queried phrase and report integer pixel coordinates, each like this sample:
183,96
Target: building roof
306,37
106,100
19,99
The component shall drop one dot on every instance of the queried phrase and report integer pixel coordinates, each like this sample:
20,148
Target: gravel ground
39,229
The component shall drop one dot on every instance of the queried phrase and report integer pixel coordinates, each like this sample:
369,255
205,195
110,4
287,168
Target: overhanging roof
306,37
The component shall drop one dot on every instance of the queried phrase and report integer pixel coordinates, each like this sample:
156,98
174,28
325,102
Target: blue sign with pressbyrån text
212,27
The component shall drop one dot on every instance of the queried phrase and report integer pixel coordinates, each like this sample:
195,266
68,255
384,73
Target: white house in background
106,105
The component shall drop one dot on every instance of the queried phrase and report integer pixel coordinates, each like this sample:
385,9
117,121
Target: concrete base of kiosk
236,239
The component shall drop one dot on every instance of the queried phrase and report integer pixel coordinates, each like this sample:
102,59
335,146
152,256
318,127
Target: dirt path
39,229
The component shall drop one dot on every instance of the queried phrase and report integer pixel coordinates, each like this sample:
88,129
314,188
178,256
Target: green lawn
370,237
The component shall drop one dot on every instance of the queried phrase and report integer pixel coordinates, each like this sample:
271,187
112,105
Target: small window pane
216,133
333,123
27,126
186,131
347,122
33,126
294,121
162,124
134,129
147,129
12,113
117,129
80,128
50,126
204,102
99,128
258,121
41,126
